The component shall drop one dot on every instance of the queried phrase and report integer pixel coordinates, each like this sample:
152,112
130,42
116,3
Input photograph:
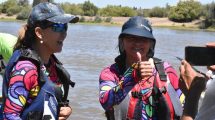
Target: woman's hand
65,112
212,67
145,67
187,75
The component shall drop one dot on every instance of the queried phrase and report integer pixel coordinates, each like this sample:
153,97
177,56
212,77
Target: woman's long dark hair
27,35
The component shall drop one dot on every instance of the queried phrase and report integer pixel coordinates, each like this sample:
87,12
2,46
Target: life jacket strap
171,91
2,63
136,94
160,68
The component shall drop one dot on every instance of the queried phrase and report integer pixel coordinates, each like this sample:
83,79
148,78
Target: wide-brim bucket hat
138,26
50,12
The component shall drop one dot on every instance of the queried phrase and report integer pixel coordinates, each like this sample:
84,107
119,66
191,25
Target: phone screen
200,56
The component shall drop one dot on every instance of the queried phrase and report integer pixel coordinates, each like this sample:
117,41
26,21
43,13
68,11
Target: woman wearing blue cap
35,84
138,86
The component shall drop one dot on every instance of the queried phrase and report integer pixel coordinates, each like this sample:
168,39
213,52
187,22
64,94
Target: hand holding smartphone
200,56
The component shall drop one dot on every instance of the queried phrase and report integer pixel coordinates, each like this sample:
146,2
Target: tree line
184,11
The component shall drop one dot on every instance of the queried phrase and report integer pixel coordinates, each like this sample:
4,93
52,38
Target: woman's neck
43,53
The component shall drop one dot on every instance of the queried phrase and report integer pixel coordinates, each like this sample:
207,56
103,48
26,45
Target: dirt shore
4,16
160,22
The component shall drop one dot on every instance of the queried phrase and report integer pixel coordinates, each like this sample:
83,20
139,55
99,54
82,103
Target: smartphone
200,56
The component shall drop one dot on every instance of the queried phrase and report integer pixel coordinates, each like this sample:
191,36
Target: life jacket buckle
136,94
72,83
163,90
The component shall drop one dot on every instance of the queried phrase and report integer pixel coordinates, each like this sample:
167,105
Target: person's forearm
192,98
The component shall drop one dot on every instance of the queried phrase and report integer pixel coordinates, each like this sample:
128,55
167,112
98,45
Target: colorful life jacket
46,105
162,100
158,101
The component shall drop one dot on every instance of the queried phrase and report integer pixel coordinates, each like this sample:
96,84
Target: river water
89,48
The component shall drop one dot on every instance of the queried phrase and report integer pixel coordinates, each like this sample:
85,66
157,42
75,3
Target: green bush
97,19
1,7
127,12
13,10
89,9
108,19
23,14
185,11
72,8
82,19
158,12
116,11
143,12
210,17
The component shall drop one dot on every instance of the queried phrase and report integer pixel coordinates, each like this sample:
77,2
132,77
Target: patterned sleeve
111,91
23,87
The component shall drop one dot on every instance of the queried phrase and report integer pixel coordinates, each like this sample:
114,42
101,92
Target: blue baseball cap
50,12
138,26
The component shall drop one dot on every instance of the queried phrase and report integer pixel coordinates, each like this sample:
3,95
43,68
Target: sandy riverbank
157,22
162,22
4,16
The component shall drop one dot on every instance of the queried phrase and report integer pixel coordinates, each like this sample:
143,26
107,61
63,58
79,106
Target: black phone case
200,56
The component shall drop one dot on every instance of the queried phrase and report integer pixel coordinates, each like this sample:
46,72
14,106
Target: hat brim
65,18
138,32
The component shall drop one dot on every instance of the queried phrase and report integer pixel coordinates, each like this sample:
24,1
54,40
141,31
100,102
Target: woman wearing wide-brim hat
137,86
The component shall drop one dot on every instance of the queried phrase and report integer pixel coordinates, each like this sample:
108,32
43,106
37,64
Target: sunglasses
57,27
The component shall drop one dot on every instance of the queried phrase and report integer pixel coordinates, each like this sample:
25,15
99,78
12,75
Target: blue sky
130,3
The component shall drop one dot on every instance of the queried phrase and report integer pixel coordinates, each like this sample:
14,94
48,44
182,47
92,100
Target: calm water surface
89,48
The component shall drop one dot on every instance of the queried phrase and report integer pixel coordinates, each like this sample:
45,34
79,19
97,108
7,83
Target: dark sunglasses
57,27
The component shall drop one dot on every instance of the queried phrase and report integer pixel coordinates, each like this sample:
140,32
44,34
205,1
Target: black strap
65,79
2,63
34,57
110,114
139,106
160,68
138,109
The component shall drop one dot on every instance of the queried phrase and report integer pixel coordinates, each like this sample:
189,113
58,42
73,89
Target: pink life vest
143,96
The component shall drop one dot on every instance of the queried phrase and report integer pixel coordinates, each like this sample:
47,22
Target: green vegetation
115,11
184,11
209,12
21,8
158,12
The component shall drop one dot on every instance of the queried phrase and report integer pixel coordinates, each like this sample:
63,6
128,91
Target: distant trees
89,9
72,8
35,2
185,11
209,12
12,7
158,12
114,11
